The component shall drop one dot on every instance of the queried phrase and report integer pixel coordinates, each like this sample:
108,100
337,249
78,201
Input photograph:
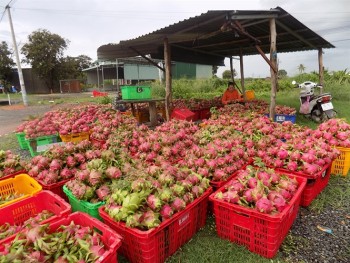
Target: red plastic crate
197,115
314,187
157,244
260,233
309,176
56,188
17,213
110,239
182,114
217,184
205,114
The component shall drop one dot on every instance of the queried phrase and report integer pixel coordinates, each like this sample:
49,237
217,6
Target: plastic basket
260,233
314,187
197,115
20,211
250,94
182,114
75,137
22,140
217,184
33,143
20,184
205,114
110,239
341,164
282,118
309,176
83,206
157,244
136,92
56,188
12,175
142,116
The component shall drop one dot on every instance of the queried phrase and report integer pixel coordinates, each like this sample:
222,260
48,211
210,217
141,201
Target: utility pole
20,74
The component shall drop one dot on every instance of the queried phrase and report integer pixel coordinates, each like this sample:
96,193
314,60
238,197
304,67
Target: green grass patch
335,195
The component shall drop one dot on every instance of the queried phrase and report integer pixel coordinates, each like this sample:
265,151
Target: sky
89,24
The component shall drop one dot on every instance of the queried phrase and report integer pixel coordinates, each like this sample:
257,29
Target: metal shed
213,36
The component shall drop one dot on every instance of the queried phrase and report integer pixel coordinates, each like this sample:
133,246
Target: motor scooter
319,108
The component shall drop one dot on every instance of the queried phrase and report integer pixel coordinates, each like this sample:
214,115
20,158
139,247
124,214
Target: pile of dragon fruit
261,189
10,163
37,243
144,176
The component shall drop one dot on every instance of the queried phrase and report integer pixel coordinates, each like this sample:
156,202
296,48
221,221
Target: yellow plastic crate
341,165
75,137
20,184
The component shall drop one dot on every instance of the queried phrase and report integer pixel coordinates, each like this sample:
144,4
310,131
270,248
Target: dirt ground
13,115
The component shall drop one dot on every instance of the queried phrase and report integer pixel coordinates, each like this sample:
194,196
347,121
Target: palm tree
301,68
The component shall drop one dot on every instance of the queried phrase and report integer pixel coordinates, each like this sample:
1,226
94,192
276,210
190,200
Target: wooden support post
320,68
242,74
231,70
273,69
153,113
168,90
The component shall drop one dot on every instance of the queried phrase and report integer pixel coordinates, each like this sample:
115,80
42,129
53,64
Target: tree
227,74
6,63
301,68
71,67
44,51
282,73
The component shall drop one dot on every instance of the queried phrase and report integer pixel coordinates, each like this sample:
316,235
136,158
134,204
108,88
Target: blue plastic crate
281,118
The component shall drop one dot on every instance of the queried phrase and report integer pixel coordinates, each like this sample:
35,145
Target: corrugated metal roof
203,39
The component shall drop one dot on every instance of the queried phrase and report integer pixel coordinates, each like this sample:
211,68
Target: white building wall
143,72
203,71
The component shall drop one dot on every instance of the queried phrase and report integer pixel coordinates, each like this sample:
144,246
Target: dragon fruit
154,202
166,212
178,204
264,205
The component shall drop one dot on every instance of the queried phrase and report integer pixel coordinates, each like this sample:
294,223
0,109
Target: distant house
130,71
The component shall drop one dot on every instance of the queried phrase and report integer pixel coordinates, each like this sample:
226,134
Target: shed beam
244,17
272,66
295,34
148,59
199,51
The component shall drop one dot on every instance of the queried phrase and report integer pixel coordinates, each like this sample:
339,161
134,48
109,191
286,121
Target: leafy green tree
282,73
71,67
301,68
44,51
6,63
227,74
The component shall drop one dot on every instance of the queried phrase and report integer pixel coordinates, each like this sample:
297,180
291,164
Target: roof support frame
295,34
147,58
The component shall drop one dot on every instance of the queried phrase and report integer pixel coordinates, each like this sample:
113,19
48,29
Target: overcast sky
88,24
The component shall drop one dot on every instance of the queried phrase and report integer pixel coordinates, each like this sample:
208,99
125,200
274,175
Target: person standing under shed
231,94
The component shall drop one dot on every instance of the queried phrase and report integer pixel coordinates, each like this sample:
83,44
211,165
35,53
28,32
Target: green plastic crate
136,92
83,206
33,143
22,140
